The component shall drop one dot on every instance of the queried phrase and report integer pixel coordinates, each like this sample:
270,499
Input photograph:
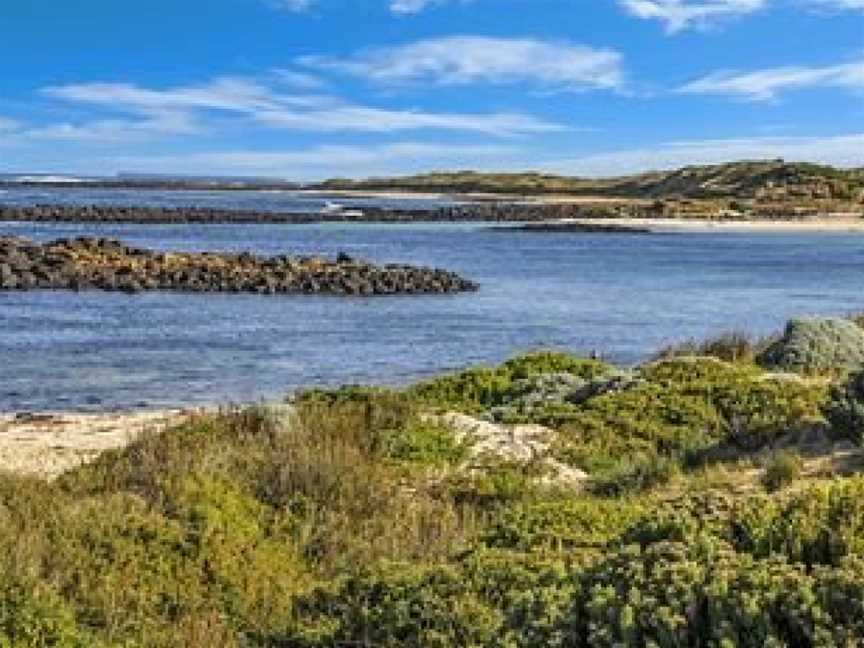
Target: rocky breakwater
475,212
107,264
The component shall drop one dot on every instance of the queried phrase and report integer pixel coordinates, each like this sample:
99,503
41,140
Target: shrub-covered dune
722,505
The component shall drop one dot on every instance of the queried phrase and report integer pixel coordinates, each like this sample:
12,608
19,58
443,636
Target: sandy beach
46,445
825,224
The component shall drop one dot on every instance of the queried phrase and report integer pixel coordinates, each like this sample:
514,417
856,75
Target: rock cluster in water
577,227
106,264
474,212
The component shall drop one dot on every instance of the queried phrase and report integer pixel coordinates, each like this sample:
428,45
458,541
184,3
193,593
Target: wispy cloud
184,109
9,124
678,15
764,85
412,6
461,60
409,157
297,6
320,161
839,5
360,118
841,150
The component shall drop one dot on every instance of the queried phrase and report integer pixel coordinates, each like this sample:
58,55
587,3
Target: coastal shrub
473,391
665,594
845,408
823,524
552,399
673,594
425,443
635,474
562,524
33,615
783,469
684,406
502,483
547,362
817,346
731,347
484,599
349,519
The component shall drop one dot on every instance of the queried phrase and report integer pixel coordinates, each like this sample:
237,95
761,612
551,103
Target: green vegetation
783,469
817,346
763,180
845,409
358,518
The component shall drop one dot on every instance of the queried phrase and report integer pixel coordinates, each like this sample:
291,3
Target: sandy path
45,445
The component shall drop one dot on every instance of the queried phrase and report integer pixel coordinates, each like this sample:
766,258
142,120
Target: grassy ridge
742,180
358,520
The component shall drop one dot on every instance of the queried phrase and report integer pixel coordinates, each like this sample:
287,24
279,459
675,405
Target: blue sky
318,88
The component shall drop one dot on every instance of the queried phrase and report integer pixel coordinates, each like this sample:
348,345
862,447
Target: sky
309,89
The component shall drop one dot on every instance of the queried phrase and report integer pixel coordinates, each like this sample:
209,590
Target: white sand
45,445
826,224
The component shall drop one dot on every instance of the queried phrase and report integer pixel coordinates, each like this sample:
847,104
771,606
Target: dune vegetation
718,502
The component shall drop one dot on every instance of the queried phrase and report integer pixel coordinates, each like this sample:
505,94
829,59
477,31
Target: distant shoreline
610,215
818,224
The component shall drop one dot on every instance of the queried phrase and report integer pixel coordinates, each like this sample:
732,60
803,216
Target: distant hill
761,179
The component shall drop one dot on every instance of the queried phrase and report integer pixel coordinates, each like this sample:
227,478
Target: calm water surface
621,295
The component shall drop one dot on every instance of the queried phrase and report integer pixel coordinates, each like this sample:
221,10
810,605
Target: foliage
424,443
682,407
562,524
349,518
783,469
817,346
845,408
476,390
729,347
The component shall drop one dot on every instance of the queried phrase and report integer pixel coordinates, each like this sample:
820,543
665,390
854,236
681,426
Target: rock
107,264
817,345
492,442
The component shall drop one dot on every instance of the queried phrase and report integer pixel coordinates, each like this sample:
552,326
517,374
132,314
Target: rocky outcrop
107,264
492,443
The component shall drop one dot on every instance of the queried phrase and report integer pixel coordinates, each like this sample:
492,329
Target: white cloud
763,85
841,150
177,110
678,15
839,5
459,60
7,125
317,162
301,80
296,6
412,6
410,157
115,130
360,118
228,94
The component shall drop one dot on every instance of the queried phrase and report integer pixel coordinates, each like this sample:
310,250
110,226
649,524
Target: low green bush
729,347
845,408
477,390
425,443
817,346
783,469
635,474
562,524
681,408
